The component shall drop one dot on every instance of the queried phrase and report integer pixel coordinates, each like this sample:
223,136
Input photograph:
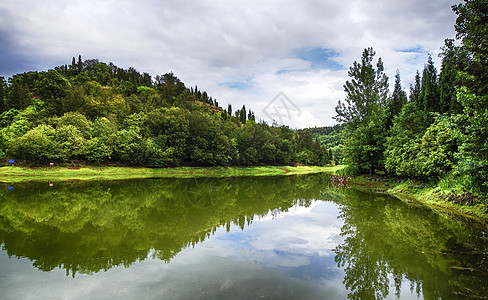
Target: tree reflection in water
387,241
86,227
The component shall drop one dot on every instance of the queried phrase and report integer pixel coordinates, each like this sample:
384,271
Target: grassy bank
446,196
20,174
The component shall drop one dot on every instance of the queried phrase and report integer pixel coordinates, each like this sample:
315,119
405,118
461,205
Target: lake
283,237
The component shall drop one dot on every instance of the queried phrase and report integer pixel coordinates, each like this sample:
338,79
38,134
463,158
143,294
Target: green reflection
386,240
91,226
86,227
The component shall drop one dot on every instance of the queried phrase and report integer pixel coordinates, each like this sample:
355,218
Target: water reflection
88,227
387,242
247,238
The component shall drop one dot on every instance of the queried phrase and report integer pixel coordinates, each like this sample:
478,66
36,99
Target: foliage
364,113
99,112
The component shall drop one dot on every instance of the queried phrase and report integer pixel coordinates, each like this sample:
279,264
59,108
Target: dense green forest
331,138
90,111
440,130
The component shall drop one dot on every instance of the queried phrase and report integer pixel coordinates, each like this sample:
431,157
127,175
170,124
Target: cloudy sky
239,51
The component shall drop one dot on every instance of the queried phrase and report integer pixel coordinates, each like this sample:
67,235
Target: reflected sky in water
283,255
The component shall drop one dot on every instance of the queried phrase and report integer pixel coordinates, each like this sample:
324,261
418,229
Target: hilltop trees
91,111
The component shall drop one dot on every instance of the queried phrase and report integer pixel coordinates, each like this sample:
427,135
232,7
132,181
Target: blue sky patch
238,85
319,57
417,49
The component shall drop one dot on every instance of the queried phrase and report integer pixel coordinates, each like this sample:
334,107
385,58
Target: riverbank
447,199
13,174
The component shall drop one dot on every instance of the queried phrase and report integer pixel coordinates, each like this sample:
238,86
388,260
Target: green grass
14,174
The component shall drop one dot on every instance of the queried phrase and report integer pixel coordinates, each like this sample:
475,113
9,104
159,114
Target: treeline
97,112
440,129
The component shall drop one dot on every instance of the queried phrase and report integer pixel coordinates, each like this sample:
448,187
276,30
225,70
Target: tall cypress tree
429,92
242,114
397,100
415,90
447,80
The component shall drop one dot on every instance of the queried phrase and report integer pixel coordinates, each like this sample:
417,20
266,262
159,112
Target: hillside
93,112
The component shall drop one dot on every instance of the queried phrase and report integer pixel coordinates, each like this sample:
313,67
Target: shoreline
433,197
14,174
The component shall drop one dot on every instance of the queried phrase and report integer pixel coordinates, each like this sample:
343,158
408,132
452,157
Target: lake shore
14,174
452,202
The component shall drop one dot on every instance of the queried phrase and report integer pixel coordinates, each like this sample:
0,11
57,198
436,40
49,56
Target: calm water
234,238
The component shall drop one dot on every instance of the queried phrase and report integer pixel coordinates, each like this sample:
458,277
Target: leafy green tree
127,145
97,150
78,121
437,151
364,113
36,145
70,142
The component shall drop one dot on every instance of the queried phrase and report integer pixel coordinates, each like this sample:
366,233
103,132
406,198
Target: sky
286,60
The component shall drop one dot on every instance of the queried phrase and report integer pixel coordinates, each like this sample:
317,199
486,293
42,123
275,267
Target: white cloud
212,42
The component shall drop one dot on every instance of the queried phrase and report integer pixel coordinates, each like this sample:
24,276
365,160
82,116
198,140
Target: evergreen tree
80,64
447,80
472,28
364,113
415,90
242,114
2,92
429,92
397,100
229,109
19,96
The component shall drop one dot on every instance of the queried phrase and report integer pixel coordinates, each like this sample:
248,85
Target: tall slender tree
447,80
364,113
397,100
429,92
2,92
415,90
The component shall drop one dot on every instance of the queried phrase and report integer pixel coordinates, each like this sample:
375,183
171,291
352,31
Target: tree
2,92
429,92
229,109
448,79
36,145
19,96
471,27
242,114
397,100
170,87
415,90
364,113
79,66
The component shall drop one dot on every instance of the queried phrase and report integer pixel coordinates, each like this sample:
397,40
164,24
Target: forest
93,112
439,131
